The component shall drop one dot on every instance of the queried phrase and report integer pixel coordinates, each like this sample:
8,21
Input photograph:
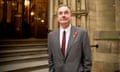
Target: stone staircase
23,55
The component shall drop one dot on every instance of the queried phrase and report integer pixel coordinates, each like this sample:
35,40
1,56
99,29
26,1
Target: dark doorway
23,18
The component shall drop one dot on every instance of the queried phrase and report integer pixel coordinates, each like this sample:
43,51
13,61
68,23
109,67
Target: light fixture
32,13
42,21
27,2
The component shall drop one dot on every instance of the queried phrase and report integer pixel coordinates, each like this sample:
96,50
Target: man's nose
63,14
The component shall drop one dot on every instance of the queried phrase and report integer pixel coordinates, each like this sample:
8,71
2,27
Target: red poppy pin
74,34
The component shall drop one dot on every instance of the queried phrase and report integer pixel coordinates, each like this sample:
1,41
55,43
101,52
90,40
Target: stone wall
106,58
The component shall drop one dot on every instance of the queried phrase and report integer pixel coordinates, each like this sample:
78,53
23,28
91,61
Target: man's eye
66,12
60,13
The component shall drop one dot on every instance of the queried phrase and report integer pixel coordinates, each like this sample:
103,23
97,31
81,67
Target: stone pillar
83,21
117,7
73,8
92,29
65,2
106,57
105,15
92,17
69,3
51,15
9,13
53,24
83,16
83,4
78,8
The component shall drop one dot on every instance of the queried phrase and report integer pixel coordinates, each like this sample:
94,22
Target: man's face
64,16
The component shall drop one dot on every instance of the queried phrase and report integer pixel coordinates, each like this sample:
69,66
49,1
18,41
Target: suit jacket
78,57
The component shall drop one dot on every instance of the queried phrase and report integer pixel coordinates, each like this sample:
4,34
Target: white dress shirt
67,30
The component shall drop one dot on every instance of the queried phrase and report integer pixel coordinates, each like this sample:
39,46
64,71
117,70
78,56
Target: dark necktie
63,43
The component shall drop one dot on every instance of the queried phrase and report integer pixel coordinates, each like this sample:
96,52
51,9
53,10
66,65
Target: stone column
117,7
78,8
53,24
73,8
105,15
83,16
83,4
64,1
92,17
9,13
51,15
69,3
106,56
83,22
92,27
55,6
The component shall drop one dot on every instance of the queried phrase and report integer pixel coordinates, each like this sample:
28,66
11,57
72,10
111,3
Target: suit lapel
58,43
71,40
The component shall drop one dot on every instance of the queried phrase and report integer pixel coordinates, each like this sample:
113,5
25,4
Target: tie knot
64,31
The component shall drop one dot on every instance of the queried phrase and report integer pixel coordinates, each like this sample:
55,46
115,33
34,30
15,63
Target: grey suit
78,57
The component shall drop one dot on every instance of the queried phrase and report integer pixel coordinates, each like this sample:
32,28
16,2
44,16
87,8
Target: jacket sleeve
87,62
50,56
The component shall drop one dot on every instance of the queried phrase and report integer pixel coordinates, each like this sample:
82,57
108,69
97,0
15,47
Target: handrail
96,46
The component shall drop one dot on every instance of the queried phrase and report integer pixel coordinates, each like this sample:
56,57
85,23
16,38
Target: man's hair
63,5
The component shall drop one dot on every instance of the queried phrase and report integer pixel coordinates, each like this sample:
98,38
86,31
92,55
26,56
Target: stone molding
107,35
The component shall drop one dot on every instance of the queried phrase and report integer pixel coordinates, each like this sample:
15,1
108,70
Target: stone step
19,47
2,55
18,66
24,60
22,41
23,50
22,57
30,69
41,70
23,45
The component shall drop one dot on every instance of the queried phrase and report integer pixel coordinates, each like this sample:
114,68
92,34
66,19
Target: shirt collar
67,29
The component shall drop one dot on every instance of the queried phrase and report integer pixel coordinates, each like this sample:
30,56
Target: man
68,46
